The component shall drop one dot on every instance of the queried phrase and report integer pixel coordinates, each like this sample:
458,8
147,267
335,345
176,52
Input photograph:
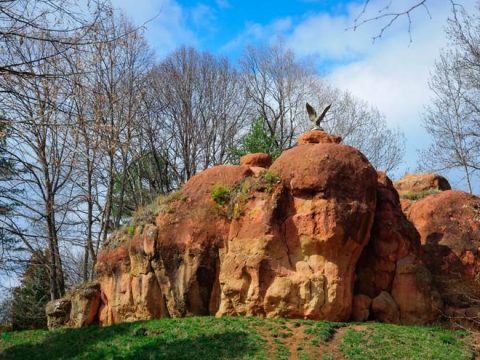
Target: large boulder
256,160
385,309
293,252
318,137
449,227
79,307
361,307
417,183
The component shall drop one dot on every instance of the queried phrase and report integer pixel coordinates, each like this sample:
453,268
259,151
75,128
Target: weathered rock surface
243,240
361,307
58,313
385,309
170,268
391,262
256,160
293,253
414,183
449,227
79,308
318,137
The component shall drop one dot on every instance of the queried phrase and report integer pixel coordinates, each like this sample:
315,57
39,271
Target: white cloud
223,4
255,32
203,16
167,27
390,73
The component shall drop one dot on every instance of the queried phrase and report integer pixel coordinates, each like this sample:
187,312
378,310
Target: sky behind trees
391,73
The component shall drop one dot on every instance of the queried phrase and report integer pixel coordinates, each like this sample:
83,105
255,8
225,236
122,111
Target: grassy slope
237,338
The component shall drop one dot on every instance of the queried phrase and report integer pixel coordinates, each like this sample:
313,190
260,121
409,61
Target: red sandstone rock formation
256,160
294,251
286,241
318,137
413,183
79,308
449,227
391,262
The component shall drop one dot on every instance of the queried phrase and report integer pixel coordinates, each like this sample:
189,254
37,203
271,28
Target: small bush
270,179
131,229
220,194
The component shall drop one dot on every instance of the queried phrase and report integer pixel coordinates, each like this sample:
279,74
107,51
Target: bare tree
203,109
388,12
360,125
277,84
62,24
452,119
73,120
42,147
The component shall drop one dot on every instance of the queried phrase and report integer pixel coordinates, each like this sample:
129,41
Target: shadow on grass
118,342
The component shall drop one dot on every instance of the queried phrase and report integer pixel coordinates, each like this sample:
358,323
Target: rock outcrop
293,252
449,227
318,137
391,263
78,309
256,160
415,183
280,240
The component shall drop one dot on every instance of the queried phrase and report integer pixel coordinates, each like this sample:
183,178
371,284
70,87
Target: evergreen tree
257,140
28,303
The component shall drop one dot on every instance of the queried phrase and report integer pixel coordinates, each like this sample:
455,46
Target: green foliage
131,229
27,309
257,140
220,194
419,194
236,338
271,179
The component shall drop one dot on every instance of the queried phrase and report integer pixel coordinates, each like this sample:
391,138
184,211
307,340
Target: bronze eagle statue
316,120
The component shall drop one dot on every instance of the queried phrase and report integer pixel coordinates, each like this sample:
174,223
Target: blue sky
390,73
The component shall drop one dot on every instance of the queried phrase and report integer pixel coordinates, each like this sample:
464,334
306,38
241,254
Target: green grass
235,338
385,341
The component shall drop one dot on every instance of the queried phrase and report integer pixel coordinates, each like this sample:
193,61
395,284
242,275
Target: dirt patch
267,335
331,349
474,341
296,341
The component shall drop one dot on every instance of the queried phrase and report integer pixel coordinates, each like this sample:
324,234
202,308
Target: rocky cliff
318,234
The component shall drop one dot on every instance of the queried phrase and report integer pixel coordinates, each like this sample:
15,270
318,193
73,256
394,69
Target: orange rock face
391,262
170,268
449,227
241,240
318,137
294,251
256,160
80,308
412,183
361,307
